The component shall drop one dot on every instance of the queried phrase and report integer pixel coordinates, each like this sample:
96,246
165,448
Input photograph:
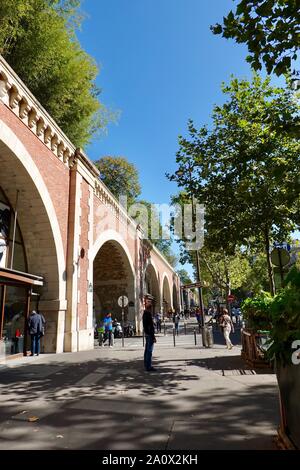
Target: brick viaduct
74,232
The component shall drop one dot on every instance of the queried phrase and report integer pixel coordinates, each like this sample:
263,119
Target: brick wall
53,171
83,263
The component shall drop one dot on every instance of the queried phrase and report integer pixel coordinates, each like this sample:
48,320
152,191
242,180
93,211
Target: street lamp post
201,306
198,269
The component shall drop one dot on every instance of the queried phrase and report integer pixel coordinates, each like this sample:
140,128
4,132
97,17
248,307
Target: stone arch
166,294
40,229
113,276
176,305
151,284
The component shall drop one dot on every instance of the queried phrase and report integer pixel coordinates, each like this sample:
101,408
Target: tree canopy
245,168
120,176
270,28
184,276
38,39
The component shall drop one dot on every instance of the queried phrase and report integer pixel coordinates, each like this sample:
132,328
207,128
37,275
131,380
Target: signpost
280,257
192,286
123,302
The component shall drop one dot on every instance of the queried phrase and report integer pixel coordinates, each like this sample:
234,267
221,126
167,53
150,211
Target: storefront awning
11,276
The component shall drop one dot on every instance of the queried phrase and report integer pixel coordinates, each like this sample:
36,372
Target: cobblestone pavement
103,399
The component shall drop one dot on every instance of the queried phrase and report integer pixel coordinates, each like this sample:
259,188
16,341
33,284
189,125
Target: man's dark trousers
35,343
148,352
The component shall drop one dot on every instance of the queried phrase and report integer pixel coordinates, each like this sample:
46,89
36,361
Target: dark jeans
15,345
158,326
108,335
148,352
35,343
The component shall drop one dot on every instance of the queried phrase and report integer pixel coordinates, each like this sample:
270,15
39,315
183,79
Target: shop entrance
16,291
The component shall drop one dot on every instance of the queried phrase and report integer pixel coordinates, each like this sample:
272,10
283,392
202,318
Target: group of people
224,320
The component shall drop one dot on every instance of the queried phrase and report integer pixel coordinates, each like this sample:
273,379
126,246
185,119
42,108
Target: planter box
288,378
253,348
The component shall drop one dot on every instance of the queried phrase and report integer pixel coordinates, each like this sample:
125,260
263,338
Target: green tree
270,28
38,39
120,176
147,214
223,271
245,169
184,276
257,278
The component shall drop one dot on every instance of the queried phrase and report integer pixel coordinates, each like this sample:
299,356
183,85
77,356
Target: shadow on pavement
227,363
116,405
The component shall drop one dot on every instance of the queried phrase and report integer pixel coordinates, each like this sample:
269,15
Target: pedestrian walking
227,326
36,330
148,327
108,329
158,322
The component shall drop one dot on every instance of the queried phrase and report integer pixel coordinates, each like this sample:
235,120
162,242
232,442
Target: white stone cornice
16,96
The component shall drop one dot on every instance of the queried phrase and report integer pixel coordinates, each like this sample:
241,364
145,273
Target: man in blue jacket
108,327
35,328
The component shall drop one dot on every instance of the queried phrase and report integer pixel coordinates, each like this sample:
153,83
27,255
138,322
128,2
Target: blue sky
160,65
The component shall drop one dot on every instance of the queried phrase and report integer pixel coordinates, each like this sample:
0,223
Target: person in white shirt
228,328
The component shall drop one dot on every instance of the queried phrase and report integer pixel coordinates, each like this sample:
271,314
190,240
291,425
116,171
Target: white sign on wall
123,301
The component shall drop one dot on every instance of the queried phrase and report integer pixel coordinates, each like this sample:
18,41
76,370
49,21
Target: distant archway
166,296
152,287
113,276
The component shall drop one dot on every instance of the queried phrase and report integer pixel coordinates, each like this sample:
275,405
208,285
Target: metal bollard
185,328
195,336
174,341
164,328
122,339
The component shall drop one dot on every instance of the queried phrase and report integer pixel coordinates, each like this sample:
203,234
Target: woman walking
228,328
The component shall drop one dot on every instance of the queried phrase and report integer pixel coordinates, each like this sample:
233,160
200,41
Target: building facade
60,223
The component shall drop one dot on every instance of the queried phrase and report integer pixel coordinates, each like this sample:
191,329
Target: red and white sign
230,298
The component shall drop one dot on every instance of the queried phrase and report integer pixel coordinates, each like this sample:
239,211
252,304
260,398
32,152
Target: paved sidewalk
102,399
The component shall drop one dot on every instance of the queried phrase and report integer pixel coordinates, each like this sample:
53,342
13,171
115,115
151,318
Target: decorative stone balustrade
20,100
15,95
107,198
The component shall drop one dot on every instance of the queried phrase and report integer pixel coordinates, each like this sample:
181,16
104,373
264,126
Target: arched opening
151,288
113,277
35,248
167,301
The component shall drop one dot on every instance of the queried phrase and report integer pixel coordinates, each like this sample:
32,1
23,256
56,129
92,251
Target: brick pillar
79,332
73,255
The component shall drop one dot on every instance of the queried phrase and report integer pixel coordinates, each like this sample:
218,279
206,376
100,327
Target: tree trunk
269,263
228,285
